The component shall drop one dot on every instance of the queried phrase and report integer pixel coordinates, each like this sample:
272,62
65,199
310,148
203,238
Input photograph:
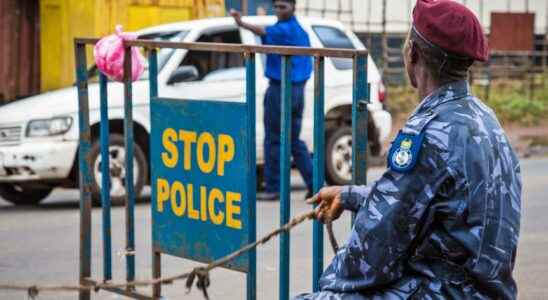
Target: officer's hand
236,15
329,202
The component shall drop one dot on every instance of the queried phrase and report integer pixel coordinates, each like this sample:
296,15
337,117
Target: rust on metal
129,293
238,48
512,31
86,135
88,41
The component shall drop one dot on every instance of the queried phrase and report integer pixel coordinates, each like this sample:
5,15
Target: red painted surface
512,31
19,49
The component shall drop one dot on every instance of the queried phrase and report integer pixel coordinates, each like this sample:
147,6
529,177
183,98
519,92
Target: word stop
209,152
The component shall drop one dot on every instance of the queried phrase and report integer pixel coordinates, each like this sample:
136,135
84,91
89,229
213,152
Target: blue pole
153,90
86,179
285,173
359,121
252,169
319,166
130,193
105,179
153,73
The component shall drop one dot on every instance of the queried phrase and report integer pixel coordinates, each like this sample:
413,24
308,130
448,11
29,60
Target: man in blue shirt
286,32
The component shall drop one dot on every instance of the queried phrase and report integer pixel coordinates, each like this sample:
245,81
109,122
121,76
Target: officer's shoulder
418,123
451,114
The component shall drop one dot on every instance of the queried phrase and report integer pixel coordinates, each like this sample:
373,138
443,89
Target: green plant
512,100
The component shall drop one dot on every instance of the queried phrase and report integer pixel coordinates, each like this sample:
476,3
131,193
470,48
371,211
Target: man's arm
238,18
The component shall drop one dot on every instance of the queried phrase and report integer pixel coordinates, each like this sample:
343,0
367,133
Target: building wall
19,44
63,20
367,14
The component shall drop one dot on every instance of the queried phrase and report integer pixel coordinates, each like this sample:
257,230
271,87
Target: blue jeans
272,124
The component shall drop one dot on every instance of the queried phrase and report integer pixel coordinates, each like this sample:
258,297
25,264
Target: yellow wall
63,20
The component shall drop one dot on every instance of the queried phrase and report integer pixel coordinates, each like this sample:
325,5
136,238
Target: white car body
52,158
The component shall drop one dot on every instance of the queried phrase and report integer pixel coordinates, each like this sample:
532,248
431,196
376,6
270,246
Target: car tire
338,156
117,170
23,195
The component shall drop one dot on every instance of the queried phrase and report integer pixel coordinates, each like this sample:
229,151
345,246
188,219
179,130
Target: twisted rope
200,275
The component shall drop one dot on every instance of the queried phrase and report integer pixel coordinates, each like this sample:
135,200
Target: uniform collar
450,91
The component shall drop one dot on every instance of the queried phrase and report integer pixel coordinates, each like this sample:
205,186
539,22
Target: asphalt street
39,245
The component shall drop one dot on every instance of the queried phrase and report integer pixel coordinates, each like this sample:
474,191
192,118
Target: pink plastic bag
109,56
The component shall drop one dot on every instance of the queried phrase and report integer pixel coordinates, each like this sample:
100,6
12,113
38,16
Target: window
334,38
164,54
217,65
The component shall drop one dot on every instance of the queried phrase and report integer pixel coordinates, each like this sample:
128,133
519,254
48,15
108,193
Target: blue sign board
200,201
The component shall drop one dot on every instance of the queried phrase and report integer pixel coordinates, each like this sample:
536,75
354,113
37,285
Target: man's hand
237,16
329,202
253,28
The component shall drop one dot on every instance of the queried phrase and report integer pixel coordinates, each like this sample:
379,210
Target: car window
332,37
164,54
212,64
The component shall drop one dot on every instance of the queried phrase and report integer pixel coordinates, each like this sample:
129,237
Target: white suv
39,135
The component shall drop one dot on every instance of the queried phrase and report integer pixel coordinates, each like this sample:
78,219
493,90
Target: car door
261,84
207,75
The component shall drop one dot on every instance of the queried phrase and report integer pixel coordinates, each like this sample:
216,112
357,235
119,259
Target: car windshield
332,37
163,54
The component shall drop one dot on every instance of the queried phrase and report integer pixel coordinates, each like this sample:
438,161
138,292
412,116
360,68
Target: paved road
40,244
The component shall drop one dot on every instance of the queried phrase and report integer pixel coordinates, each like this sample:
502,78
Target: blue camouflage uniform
445,228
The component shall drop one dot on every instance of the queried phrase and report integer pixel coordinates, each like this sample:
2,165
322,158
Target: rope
200,275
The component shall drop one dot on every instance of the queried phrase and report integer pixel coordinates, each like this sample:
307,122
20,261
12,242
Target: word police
186,151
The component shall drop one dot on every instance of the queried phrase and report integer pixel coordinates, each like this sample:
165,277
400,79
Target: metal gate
246,110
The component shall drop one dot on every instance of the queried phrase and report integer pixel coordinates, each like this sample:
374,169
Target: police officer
443,220
287,32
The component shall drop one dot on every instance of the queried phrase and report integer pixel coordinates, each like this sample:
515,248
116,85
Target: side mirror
183,74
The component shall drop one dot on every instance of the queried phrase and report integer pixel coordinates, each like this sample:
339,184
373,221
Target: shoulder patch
404,153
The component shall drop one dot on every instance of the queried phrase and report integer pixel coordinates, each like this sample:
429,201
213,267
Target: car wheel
117,164
338,156
23,195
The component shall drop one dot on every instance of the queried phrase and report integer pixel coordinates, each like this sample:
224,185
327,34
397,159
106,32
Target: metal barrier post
285,174
86,180
130,193
153,90
105,179
251,97
359,130
359,120
319,166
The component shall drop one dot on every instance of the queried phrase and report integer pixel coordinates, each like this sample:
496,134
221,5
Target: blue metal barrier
251,167
359,130
319,165
105,179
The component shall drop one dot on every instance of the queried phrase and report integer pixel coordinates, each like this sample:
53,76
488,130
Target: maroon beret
452,27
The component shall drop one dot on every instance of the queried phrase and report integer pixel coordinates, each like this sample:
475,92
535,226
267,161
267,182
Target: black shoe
267,196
